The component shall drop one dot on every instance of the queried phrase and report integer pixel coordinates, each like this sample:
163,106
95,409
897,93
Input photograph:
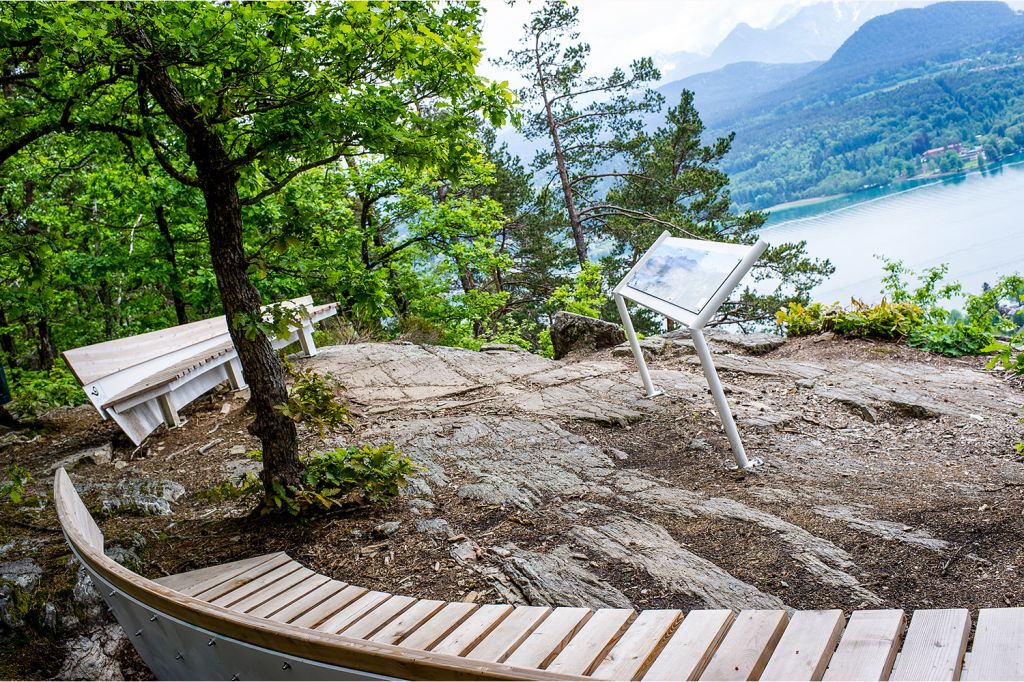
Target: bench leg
306,340
167,410
235,378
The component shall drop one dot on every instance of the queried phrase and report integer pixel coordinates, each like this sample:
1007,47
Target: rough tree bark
6,340
47,351
217,178
172,260
578,237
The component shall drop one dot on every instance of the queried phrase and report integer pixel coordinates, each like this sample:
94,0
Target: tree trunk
260,363
47,351
6,340
578,237
172,260
103,294
217,179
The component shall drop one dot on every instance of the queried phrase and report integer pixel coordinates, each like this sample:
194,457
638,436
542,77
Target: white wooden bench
143,381
270,618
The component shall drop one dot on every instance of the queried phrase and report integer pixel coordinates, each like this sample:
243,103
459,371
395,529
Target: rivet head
210,643
177,656
152,619
112,593
286,665
235,678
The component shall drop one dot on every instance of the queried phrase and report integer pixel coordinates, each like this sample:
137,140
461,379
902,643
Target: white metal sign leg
711,374
638,352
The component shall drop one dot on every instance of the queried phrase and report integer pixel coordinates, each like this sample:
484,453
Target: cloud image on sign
683,276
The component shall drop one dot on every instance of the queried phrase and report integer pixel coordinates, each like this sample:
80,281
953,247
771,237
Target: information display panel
688,280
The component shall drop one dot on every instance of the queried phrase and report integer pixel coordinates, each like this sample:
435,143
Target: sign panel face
684,276
687,279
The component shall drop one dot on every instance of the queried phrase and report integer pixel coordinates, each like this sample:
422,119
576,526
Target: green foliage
918,315
886,321
583,296
313,401
869,117
243,485
1007,355
35,392
274,321
343,478
945,331
12,489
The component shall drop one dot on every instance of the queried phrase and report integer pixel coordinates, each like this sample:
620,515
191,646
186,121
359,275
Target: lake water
974,223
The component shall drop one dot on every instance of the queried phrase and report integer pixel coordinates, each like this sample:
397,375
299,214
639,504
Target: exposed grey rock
421,506
87,601
234,468
142,497
909,389
388,528
466,551
236,450
437,528
890,530
649,547
101,454
428,378
18,582
557,579
510,447
94,656
757,343
571,332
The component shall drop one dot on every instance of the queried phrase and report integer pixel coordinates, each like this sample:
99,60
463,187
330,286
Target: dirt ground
854,507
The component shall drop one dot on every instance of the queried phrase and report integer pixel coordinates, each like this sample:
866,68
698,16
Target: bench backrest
106,369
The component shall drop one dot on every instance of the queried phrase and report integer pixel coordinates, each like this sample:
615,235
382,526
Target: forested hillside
945,78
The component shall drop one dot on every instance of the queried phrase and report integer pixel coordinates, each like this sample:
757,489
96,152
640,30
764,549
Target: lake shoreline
872,194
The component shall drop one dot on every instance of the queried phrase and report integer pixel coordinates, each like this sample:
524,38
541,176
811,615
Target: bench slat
593,640
303,616
271,591
472,630
183,582
998,650
935,645
510,633
439,625
691,646
255,586
549,638
806,646
353,612
379,617
219,587
747,646
289,596
407,621
637,645
868,646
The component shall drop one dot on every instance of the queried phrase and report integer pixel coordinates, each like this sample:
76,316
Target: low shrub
313,401
34,392
12,490
886,321
345,477
918,316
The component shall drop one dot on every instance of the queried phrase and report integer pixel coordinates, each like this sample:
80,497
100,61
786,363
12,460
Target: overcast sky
622,30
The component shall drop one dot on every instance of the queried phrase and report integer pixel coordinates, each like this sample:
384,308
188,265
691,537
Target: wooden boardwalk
276,603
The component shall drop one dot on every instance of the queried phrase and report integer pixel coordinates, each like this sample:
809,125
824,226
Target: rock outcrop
571,333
